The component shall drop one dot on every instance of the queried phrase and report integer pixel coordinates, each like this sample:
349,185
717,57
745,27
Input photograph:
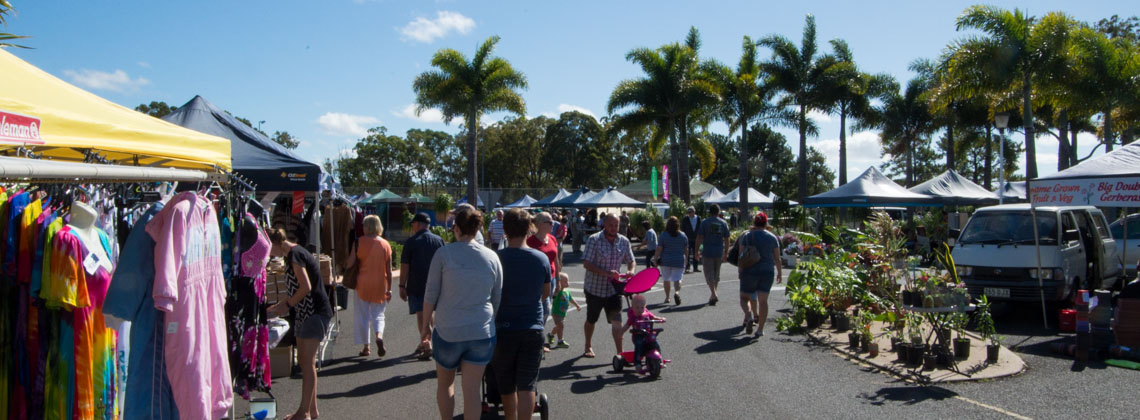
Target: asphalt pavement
719,373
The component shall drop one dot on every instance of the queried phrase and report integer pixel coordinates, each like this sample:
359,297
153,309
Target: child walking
562,301
639,317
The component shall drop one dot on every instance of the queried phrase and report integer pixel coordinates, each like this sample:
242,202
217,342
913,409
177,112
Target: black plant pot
842,322
915,354
929,362
895,344
904,350
864,343
942,356
814,320
853,340
906,297
944,336
831,317
992,351
962,348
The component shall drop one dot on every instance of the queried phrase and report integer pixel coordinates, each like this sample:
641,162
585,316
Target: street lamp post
259,123
1002,121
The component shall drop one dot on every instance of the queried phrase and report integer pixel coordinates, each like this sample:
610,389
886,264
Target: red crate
1068,320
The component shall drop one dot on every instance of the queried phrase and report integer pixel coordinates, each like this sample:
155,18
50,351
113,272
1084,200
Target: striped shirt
607,256
496,232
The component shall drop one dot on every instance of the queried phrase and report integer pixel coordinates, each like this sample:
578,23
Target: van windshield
1009,228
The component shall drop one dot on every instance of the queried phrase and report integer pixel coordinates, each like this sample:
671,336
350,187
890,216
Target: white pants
369,320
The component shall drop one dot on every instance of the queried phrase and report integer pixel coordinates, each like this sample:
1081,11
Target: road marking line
990,407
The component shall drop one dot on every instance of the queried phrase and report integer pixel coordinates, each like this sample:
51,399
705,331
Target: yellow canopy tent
72,122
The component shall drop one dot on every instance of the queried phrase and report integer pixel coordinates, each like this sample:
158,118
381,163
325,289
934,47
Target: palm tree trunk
909,163
1073,159
1063,144
472,160
989,157
743,181
674,187
1108,134
801,163
1030,138
950,158
842,147
683,174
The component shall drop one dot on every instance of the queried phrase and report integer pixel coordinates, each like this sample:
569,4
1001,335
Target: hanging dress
248,321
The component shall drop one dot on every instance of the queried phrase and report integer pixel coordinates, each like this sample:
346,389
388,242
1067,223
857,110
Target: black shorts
649,258
518,355
595,304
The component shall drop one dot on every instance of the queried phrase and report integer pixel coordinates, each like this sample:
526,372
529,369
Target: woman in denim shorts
464,284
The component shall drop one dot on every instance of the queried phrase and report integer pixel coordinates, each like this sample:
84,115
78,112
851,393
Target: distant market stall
952,189
732,199
611,197
870,189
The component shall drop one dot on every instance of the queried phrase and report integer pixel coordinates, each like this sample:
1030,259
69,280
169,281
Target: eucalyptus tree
664,100
801,73
469,89
1017,51
851,95
746,98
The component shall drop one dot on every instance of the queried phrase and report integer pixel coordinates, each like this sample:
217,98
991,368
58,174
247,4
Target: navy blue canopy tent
546,201
608,198
255,156
871,189
526,201
570,200
464,200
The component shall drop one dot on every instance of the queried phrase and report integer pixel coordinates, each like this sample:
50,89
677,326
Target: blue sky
326,71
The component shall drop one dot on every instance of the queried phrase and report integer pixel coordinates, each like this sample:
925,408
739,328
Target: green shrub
397,250
648,213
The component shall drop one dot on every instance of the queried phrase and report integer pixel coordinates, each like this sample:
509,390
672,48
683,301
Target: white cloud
143,64
863,151
819,117
430,115
424,30
116,81
346,153
341,123
567,108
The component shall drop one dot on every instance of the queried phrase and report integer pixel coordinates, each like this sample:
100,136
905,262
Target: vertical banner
665,182
298,202
653,182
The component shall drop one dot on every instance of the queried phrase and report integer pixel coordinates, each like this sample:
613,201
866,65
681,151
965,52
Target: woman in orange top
373,286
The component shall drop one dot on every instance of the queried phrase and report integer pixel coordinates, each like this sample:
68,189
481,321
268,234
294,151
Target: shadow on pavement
354,365
907,395
679,309
586,386
389,384
567,370
723,340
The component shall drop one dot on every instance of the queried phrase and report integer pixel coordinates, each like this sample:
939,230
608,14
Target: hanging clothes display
189,287
246,311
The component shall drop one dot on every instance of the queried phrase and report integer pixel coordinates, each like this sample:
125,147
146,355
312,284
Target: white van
995,253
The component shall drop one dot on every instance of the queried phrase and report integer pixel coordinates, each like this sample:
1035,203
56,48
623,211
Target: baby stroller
629,286
493,400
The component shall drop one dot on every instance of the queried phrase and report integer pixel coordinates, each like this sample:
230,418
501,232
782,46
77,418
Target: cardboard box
280,362
326,269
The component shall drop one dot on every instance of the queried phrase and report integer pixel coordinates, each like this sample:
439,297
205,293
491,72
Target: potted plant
853,340
962,343
917,348
986,328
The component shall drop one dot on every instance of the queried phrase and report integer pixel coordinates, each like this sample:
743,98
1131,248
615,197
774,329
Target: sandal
589,354
380,350
365,353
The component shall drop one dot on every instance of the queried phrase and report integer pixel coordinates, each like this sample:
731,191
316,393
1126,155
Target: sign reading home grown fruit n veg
1104,192
19,129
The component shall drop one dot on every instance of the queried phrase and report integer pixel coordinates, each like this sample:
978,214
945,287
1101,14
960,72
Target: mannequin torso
83,225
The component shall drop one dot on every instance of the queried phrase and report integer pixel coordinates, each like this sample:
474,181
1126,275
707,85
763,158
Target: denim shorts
448,353
314,327
752,284
415,304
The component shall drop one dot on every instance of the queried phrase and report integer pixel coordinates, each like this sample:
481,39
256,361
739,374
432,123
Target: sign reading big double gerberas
18,128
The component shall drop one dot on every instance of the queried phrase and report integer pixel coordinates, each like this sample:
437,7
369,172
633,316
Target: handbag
734,254
749,255
350,276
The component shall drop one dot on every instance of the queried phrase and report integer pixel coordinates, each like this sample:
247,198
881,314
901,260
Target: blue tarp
255,156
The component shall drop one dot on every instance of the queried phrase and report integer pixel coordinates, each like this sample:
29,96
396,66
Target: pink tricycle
629,286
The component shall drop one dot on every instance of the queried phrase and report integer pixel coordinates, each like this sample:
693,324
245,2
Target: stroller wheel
619,364
654,365
543,407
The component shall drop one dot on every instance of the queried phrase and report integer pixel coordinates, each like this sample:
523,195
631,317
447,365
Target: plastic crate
1068,320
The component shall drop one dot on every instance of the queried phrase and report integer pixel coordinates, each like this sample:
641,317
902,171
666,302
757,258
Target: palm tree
746,97
468,89
665,100
802,75
1018,52
6,8
905,120
851,94
1108,75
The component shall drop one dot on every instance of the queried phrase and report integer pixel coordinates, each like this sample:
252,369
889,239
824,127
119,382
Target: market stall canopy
712,194
41,170
419,198
256,157
698,187
732,199
643,190
776,198
384,196
1110,180
577,196
546,201
526,201
63,122
870,189
464,200
1012,192
609,198
953,189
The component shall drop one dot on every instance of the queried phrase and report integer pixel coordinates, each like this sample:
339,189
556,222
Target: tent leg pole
1040,283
